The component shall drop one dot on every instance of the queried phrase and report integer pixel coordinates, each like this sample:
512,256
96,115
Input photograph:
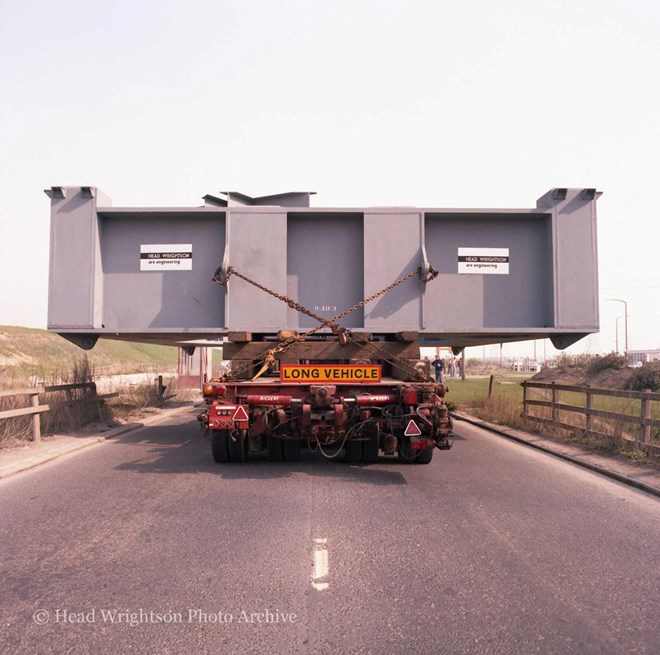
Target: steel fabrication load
353,291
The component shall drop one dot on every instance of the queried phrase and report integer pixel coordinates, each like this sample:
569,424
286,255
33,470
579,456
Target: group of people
442,367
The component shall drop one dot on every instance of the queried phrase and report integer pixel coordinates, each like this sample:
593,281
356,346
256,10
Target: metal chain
394,360
418,271
268,359
222,281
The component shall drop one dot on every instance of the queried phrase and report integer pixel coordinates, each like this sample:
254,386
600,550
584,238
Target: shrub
646,377
572,361
612,361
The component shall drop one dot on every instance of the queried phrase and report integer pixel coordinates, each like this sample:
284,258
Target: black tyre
274,448
353,452
219,445
237,446
407,454
291,450
371,447
424,456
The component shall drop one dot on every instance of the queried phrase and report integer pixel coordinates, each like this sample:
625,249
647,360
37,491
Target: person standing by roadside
439,367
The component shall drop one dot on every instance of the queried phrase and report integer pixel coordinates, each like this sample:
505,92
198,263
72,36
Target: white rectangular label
483,261
166,257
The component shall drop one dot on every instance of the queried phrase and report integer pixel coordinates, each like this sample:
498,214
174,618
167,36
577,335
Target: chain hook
427,274
222,277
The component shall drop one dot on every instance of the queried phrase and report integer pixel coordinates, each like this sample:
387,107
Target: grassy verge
38,354
504,407
134,401
19,429
464,393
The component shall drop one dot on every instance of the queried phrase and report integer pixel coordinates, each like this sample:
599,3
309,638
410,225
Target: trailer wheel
424,456
238,446
371,447
219,446
274,448
407,454
291,450
353,451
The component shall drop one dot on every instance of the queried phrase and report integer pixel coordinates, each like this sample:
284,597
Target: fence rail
35,409
643,418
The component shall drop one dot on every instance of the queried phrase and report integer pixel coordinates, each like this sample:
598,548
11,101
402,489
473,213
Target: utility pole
616,338
625,314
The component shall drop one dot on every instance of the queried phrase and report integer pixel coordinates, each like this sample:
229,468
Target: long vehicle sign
330,373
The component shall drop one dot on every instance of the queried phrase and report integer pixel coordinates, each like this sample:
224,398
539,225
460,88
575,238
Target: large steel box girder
145,274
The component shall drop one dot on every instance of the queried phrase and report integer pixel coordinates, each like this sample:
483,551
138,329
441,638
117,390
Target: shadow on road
178,449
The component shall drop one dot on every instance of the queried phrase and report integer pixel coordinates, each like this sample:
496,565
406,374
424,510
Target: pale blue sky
369,102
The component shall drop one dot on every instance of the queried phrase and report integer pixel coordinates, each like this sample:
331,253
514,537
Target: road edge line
592,467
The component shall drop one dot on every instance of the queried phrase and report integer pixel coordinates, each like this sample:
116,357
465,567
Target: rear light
214,389
420,443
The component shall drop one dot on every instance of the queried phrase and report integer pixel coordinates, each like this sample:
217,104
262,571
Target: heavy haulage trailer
326,404
322,311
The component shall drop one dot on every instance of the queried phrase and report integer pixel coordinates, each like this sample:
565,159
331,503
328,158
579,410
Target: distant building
193,370
643,356
523,364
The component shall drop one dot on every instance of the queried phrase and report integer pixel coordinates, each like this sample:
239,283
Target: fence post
490,386
161,388
70,410
646,414
555,400
36,420
589,406
525,410
99,404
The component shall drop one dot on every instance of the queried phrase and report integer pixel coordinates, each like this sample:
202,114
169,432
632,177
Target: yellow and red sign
330,373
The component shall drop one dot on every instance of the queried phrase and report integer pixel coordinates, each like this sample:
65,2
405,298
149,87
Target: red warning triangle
240,414
412,429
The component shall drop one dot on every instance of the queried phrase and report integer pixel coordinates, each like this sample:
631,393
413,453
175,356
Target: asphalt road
144,545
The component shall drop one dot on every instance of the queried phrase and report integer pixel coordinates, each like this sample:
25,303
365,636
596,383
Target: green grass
26,352
504,407
464,393
629,406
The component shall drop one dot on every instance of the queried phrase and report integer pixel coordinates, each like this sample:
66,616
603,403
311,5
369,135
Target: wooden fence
643,418
35,409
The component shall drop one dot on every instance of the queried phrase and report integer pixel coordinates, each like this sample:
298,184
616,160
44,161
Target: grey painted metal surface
104,280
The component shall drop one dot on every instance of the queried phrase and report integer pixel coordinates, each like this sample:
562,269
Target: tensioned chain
418,271
390,358
222,281
269,358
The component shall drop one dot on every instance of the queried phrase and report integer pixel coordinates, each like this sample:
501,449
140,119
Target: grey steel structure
543,282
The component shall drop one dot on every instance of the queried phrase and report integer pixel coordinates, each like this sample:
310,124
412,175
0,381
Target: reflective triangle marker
240,414
412,429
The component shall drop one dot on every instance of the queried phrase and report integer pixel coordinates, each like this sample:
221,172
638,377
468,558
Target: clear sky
368,102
